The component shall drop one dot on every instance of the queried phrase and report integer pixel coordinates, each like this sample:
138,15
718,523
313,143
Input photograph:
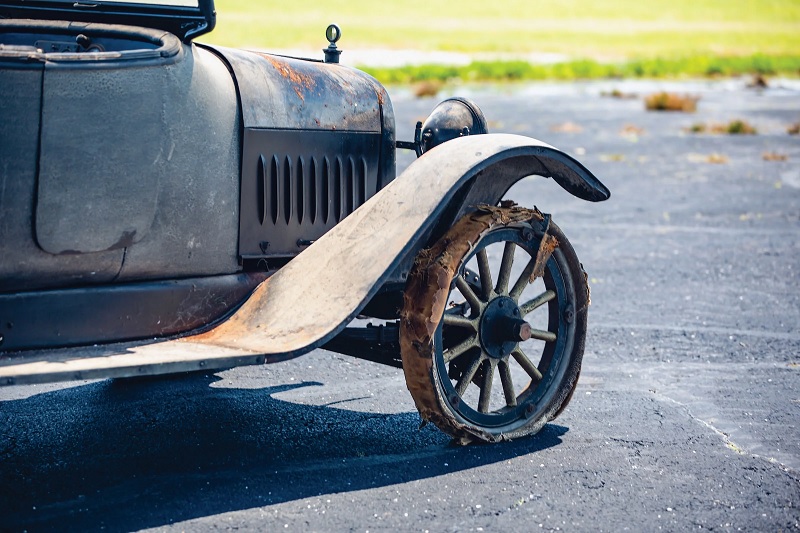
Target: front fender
508,158
484,167
320,291
480,169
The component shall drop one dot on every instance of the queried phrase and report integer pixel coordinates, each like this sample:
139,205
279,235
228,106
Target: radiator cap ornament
333,33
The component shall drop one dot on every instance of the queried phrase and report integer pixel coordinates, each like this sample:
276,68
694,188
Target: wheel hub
502,327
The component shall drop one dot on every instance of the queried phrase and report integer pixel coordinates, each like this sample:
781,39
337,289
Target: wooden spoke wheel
493,325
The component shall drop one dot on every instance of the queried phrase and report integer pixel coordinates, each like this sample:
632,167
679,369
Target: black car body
153,188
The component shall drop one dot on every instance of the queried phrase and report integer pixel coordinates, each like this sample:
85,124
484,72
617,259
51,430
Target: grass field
600,32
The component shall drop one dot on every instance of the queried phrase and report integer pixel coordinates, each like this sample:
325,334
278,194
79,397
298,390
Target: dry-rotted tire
501,294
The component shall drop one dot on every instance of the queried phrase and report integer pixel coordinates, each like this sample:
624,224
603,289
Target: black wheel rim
468,365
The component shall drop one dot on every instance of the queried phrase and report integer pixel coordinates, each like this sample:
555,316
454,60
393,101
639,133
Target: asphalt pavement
685,418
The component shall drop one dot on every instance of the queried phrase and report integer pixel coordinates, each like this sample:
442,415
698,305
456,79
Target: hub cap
501,327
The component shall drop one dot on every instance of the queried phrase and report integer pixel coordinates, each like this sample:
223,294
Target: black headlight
452,118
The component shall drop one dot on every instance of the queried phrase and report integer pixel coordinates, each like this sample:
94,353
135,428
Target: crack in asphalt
726,438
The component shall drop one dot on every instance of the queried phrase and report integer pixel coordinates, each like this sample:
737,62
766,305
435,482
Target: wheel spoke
486,389
547,336
524,279
458,321
537,302
468,374
526,365
505,268
508,385
460,348
485,273
466,291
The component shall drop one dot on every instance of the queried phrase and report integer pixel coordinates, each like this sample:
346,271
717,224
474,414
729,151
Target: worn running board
311,299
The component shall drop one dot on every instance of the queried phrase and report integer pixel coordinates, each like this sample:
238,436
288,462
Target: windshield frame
184,21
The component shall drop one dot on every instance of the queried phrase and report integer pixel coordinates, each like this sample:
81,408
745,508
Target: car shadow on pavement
126,455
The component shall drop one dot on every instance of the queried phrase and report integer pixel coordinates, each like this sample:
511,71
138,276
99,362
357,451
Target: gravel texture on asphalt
686,415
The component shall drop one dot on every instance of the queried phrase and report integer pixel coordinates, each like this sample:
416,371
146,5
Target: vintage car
170,206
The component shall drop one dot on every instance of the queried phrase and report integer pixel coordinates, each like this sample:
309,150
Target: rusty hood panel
319,292
285,93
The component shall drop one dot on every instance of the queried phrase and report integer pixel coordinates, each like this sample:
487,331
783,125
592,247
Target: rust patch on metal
301,82
424,301
242,323
381,94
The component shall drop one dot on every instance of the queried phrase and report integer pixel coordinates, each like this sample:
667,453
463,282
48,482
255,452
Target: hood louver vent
279,189
294,194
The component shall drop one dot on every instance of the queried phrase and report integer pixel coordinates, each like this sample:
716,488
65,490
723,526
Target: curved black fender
512,157
500,160
315,296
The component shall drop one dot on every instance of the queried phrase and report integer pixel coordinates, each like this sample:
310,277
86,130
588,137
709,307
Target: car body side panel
23,264
335,277
103,131
142,158
136,175
196,223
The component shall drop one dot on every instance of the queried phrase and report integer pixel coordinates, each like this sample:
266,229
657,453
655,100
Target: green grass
734,127
697,66
610,38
